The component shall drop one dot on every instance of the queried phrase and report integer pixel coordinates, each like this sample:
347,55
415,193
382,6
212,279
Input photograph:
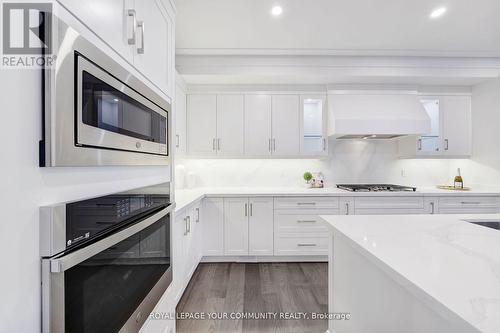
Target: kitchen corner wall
25,187
349,161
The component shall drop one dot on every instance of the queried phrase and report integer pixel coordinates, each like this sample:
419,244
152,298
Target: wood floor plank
256,288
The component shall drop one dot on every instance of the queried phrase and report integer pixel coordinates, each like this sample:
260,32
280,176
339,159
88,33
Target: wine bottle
459,183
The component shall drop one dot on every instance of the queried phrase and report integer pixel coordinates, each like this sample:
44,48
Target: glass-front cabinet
313,137
430,143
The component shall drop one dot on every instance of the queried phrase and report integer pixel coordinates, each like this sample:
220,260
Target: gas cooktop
375,188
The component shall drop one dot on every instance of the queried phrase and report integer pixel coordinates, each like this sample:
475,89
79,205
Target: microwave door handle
64,263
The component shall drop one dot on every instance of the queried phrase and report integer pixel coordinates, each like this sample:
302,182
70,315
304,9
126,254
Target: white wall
24,187
359,161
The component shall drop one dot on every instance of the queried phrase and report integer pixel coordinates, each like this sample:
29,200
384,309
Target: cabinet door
260,226
285,125
236,226
110,20
152,53
257,125
456,125
179,255
180,121
213,227
202,124
313,136
230,125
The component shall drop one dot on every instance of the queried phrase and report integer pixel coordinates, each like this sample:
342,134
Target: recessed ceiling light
276,10
438,12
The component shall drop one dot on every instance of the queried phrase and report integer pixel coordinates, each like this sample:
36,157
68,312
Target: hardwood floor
255,288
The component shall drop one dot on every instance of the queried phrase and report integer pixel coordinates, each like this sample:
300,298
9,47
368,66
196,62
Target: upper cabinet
154,47
450,134
180,120
256,125
141,32
313,129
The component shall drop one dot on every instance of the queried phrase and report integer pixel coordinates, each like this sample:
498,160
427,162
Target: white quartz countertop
448,263
185,197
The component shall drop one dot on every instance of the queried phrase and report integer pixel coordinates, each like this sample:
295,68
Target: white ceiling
398,28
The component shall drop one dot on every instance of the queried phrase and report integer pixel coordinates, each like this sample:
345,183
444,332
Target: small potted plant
308,178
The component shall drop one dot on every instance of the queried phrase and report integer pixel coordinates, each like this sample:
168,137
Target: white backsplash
350,161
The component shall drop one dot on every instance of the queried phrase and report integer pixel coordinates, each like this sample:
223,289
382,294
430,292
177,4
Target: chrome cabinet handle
306,244
218,144
274,144
185,226
251,209
446,144
324,144
419,144
270,145
131,13
432,207
346,208
470,202
197,215
306,203
140,50
306,221
178,140
246,209
213,144
189,224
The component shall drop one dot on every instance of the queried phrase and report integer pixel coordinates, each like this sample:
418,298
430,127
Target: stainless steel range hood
376,114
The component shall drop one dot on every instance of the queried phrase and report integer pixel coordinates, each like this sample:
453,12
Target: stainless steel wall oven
96,112
106,261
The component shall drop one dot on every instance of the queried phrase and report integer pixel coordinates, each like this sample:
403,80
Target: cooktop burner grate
375,188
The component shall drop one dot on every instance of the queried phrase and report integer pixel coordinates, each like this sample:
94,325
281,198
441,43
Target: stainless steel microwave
96,112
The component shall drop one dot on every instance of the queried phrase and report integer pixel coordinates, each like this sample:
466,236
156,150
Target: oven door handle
65,262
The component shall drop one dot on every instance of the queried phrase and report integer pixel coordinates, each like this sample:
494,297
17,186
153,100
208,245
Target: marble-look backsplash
348,162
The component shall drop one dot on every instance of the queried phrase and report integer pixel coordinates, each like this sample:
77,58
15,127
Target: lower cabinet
187,246
213,227
248,226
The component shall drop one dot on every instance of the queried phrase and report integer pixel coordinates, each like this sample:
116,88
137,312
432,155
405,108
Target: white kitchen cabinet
285,125
230,125
152,55
236,226
180,121
179,265
313,125
213,227
112,20
260,226
258,125
450,134
202,124
456,125
469,205
373,205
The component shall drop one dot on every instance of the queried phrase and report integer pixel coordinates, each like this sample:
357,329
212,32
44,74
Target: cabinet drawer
300,245
306,203
469,204
389,203
301,223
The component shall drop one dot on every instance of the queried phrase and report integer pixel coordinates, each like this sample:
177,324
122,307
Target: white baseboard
257,259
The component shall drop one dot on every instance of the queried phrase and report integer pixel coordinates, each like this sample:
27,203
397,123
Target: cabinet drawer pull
213,144
189,224
246,209
218,144
270,145
419,144
197,215
178,142
306,221
470,202
131,13
185,226
306,203
432,208
306,244
251,209
446,144
274,144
